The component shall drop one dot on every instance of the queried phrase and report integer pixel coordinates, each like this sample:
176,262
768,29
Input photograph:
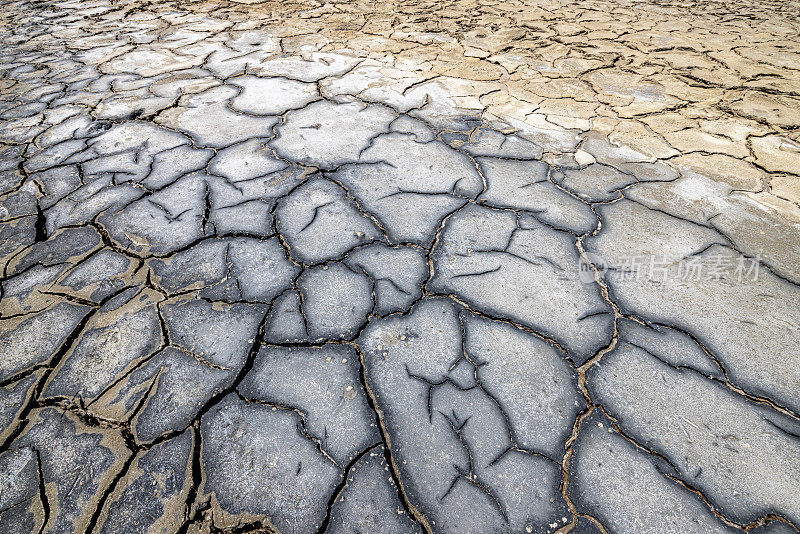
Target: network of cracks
256,306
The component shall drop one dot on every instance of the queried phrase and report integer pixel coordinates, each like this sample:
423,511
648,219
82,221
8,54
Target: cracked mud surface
362,267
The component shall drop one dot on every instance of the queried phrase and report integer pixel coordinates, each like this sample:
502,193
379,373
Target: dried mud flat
378,267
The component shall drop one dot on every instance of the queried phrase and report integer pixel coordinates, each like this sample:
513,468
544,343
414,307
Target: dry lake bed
432,266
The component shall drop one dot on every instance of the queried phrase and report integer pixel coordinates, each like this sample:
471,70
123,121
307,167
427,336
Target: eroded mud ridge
410,267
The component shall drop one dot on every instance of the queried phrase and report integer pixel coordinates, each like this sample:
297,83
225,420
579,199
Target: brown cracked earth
399,267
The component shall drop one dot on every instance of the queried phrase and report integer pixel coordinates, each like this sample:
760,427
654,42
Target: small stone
583,158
